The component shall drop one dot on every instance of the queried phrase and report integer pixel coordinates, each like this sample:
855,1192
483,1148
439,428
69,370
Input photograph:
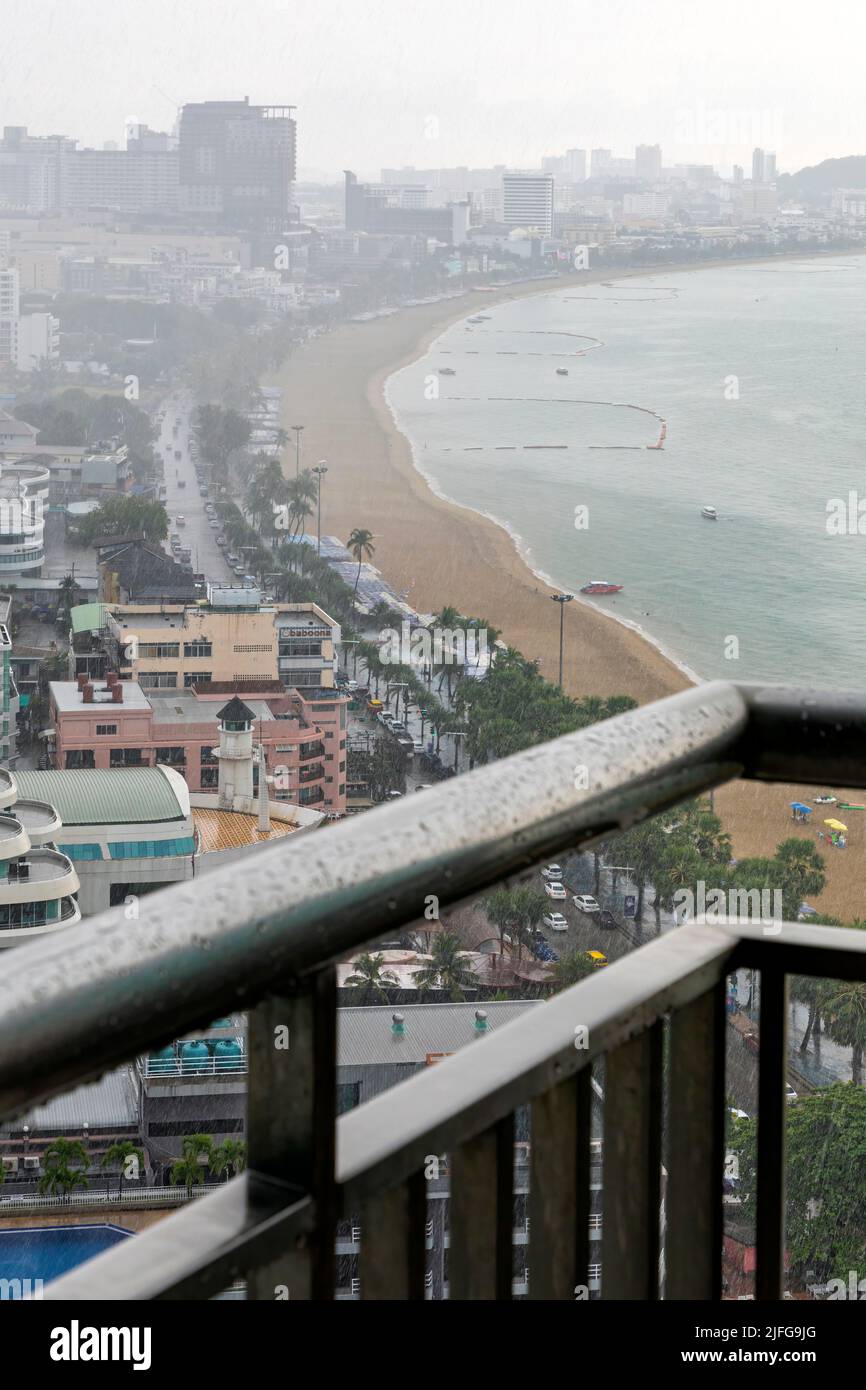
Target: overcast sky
442,82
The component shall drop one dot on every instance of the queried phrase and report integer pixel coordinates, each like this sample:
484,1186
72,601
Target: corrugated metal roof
109,1101
87,617
364,1036
108,796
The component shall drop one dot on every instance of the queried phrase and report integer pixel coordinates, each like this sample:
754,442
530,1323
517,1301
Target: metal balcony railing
265,933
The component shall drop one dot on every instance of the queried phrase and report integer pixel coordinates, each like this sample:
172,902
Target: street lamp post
455,734
298,429
320,470
562,600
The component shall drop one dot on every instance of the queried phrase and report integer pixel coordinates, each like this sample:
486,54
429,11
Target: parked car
551,871
555,921
215,523
556,890
584,902
597,957
607,919
790,1093
221,541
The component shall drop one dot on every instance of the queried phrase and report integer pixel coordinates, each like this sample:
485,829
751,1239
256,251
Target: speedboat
447,371
600,586
709,514
562,371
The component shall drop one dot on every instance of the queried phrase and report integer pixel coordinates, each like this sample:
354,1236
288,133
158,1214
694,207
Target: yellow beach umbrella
835,825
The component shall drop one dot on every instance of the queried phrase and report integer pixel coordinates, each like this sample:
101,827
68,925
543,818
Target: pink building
117,724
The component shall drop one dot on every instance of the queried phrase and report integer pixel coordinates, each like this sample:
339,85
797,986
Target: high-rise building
527,201
763,166
237,165
38,882
403,210
648,162
599,163
575,165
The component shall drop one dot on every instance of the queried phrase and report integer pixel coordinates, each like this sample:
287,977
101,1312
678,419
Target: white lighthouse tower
235,752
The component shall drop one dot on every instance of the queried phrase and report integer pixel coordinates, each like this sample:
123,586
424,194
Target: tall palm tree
447,970
360,546
229,1157
58,1161
119,1153
372,977
188,1169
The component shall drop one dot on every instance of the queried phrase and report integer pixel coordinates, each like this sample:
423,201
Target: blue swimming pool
46,1252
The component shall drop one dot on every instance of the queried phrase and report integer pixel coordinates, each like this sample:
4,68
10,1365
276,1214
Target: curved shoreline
435,550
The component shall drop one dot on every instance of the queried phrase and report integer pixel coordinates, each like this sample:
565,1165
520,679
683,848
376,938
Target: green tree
360,546
228,1158
371,977
189,1169
571,969
448,969
119,1154
65,1163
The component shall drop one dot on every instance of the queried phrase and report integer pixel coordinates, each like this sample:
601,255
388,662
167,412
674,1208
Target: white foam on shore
520,545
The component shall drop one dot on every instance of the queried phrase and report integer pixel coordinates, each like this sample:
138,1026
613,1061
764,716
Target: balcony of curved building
25,921
8,789
41,876
14,839
40,820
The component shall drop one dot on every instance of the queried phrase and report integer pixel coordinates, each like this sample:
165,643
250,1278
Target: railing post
772,1117
693,1199
291,1124
632,1168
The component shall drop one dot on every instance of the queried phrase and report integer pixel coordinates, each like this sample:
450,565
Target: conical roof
236,712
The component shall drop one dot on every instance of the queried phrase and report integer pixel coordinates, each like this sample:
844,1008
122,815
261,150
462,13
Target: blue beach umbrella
801,806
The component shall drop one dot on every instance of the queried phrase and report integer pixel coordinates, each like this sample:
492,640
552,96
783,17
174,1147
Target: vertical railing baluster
393,1256
482,1215
772,1061
555,1225
695,1158
291,1127
632,1168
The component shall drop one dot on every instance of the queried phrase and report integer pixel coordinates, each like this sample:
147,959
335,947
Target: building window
151,849
159,651
191,678
208,758
81,851
293,677
200,648
300,647
80,757
106,728
307,796
129,757
157,680
175,757
210,777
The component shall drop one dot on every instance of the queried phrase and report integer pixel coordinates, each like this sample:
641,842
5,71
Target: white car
552,871
556,890
585,903
555,921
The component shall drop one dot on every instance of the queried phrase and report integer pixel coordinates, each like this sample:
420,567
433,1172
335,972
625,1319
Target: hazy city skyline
480,85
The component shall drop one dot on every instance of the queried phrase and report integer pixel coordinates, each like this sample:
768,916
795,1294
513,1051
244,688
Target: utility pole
320,470
562,600
298,429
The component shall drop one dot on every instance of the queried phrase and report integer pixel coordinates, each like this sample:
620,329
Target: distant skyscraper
599,163
648,163
739,173
527,201
237,165
763,166
575,165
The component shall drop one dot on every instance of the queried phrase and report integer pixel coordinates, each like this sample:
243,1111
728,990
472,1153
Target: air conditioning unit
10,1165
31,1163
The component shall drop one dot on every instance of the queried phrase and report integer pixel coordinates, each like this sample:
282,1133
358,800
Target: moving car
607,919
555,921
597,957
551,871
585,902
556,890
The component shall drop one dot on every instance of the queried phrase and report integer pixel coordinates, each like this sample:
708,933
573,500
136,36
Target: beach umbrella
801,806
835,825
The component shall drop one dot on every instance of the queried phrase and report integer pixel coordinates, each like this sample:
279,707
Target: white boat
709,514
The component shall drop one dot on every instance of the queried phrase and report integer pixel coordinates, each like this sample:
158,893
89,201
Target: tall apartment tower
599,163
575,165
648,163
237,165
763,166
527,201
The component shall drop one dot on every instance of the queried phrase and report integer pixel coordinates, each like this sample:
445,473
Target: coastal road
198,536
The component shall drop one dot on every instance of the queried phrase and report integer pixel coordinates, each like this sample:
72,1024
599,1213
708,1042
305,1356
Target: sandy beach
440,553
